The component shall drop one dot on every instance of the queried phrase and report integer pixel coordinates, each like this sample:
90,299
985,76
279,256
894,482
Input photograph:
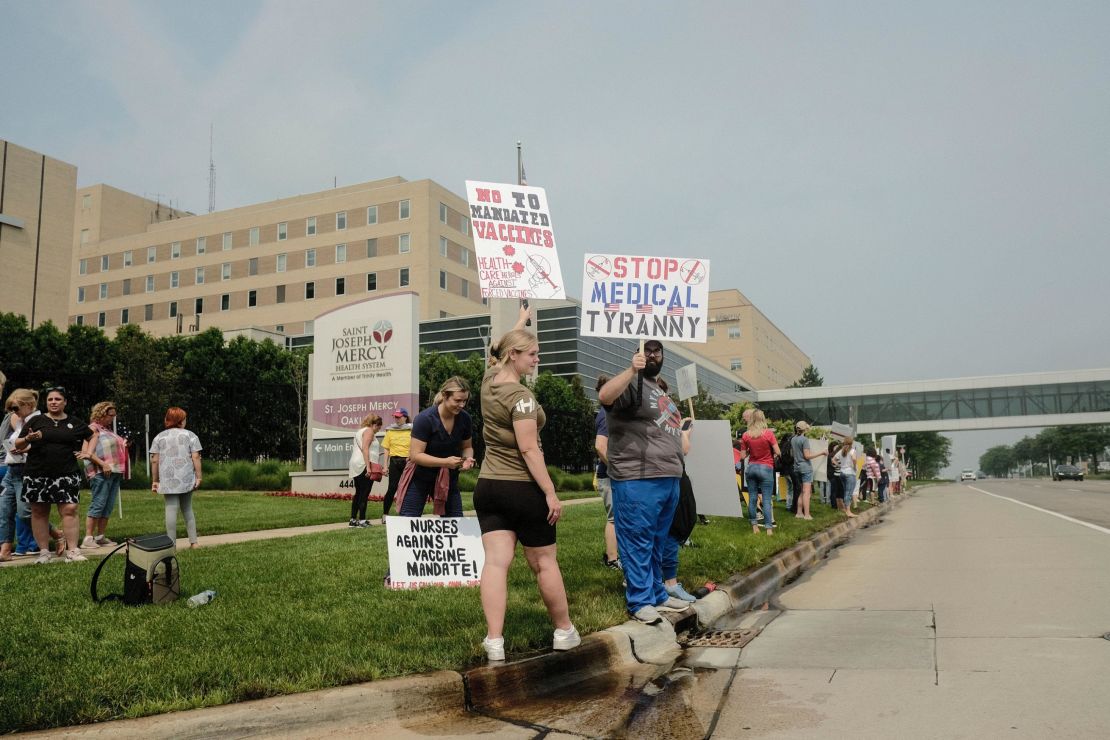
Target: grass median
298,614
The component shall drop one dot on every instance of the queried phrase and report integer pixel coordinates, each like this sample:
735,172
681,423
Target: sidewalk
964,615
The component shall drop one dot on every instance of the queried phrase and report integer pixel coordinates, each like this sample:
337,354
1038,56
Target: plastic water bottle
201,599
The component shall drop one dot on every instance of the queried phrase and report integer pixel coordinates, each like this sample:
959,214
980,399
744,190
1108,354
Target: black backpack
151,575
686,514
785,463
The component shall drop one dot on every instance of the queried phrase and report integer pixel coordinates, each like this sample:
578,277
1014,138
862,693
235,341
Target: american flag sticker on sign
643,308
675,311
612,307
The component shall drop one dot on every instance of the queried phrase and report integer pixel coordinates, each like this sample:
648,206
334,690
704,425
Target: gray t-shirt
645,439
798,446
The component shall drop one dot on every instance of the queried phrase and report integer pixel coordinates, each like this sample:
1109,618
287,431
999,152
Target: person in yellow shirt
396,446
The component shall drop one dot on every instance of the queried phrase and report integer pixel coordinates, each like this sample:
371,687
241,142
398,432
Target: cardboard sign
687,377
434,551
664,298
711,469
514,241
820,464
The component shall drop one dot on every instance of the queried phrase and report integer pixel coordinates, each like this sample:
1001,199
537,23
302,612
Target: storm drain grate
719,638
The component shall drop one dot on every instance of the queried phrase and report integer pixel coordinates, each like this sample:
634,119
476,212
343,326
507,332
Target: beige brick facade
36,234
272,265
744,340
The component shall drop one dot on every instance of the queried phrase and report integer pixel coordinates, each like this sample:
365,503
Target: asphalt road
1088,500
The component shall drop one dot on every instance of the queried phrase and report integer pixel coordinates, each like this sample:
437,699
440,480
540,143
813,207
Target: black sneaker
615,564
353,523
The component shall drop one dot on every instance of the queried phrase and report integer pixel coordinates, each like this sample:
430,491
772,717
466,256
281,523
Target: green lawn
295,614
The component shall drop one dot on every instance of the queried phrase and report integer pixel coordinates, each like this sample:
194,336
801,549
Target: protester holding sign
645,466
441,446
515,499
396,446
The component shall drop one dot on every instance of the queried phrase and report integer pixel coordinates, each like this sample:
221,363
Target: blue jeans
642,515
761,482
847,487
804,472
416,497
12,508
670,557
105,490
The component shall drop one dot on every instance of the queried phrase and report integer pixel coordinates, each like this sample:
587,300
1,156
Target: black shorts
516,505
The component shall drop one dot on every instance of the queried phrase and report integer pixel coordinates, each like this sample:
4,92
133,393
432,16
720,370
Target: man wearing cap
396,446
645,467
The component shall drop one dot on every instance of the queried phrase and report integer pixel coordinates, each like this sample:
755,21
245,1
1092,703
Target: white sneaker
495,648
74,556
647,615
89,543
566,639
44,557
672,605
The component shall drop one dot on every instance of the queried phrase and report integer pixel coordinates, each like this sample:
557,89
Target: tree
143,381
705,406
997,461
928,452
810,378
566,438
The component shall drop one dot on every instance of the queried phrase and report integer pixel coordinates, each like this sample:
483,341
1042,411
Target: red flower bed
333,495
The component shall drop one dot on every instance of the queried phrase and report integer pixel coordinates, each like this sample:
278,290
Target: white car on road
967,474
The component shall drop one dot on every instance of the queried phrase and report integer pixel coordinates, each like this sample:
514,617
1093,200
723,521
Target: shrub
271,482
241,475
217,481
270,467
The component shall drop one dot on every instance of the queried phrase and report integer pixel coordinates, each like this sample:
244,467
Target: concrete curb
492,689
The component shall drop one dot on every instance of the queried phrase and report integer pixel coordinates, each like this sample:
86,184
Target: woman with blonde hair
760,448
515,498
365,454
175,472
104,479
15,513
441,446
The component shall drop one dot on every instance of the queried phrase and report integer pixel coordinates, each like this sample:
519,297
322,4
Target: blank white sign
711,469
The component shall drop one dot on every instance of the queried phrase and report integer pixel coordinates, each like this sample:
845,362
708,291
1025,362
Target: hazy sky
908,190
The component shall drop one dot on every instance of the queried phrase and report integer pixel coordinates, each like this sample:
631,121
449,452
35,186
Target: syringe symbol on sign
539,271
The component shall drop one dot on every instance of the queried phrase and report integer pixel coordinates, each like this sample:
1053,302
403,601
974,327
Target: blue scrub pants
642,515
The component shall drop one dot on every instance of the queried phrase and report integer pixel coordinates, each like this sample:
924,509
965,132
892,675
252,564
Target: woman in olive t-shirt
514,498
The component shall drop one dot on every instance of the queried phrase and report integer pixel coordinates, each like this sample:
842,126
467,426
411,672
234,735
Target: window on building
442,280
340,286
127,286
734,332
151,254
340,253
200,276
340,220
403,243
464,255
404,209
254,236
283,231
225,271
371,281
281,294
309,326
310,258
175,280
84,236
148,312
443,213
735,364
202,244
79,320
86,201
175,250
149,283
371,215
310,226
173,309
80,294
128,258
227,240
225,302
104,263
252,298
103,291
309,291
101,319
279,328
465,288
371,248
443,246
281,260
403,280
125,316
710,333
83,267
198,306
444,315
464,225
252,266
